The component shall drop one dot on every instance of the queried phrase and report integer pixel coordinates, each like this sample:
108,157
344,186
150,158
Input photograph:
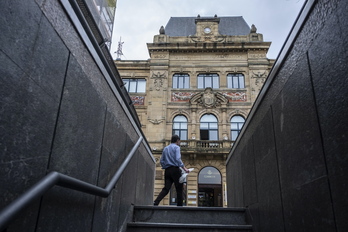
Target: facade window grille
180,126
181,81
208,80
135,85
237,123
209,127
235,81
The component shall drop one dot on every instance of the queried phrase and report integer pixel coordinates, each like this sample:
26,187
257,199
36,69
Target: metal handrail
56,178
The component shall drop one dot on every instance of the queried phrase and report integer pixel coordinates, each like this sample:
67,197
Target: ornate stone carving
209,99
181,97
138,100
259,77
211,38
155,121
158,79
235,96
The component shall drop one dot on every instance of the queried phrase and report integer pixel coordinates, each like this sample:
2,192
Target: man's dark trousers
171,175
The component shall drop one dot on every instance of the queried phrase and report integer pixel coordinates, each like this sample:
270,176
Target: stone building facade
202,78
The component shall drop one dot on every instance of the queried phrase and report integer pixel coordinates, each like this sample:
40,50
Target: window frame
127,84
231,81
204,77
210,128
181,77
239,126
180,131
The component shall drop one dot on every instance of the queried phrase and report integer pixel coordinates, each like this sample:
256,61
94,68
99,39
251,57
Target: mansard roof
185,26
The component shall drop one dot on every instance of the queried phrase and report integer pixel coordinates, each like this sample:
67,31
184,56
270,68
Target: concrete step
184,227
190,215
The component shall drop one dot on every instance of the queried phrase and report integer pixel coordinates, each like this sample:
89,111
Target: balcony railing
205,146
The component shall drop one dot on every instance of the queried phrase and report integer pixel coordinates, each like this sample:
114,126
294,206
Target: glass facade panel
103,12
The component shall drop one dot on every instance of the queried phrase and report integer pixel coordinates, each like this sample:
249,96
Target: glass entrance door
209,188
210,196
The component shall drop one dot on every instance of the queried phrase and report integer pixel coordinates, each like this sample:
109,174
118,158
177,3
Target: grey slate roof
185,26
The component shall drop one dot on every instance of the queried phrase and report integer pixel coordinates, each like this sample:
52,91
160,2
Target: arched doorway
209,187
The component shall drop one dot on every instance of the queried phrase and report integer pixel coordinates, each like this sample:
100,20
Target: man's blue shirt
171,156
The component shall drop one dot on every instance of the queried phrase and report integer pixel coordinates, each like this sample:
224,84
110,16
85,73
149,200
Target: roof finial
253,29
215,16
161,30
198,16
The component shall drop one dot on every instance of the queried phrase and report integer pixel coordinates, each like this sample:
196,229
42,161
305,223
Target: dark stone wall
58,113
289,166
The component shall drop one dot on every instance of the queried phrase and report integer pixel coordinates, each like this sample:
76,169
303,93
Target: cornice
209,47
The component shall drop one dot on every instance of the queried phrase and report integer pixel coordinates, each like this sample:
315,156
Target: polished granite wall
289,166
58,113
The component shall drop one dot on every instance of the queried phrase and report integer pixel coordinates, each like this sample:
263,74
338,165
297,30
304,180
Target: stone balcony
205,147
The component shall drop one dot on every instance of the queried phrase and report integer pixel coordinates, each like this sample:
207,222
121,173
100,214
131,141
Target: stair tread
185,225
191,208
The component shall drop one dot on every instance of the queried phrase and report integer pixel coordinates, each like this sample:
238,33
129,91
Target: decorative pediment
209,99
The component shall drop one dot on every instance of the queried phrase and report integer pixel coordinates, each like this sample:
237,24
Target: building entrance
209,188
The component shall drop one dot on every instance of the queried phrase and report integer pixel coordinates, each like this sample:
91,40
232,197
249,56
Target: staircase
172,218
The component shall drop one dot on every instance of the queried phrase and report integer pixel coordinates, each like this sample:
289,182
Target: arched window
236,126
181,81
209,127
180,126
235,81
208,80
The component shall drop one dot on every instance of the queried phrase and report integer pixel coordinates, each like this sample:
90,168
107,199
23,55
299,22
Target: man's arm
178,159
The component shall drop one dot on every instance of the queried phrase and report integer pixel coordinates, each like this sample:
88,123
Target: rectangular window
135,85
235,81
181,81
208,80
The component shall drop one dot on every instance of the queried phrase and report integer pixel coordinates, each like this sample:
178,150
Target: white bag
182,178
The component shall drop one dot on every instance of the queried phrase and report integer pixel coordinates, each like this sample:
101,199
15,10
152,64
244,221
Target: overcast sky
137,21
